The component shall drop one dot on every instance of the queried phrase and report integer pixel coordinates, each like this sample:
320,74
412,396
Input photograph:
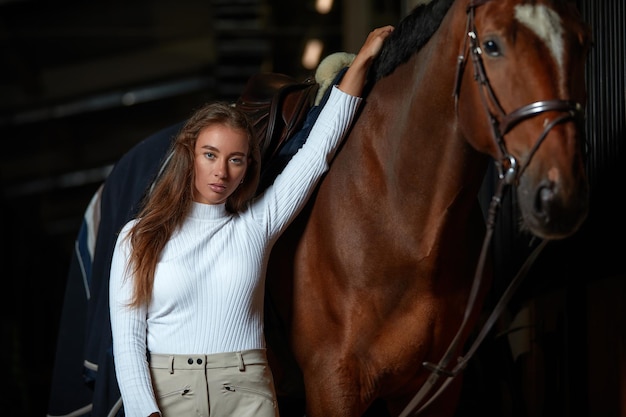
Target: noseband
509,173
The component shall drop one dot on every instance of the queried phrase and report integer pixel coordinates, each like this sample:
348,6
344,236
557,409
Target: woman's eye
237,161
491,48
209,155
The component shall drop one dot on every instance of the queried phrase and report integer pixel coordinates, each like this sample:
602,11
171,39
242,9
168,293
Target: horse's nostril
546,194
544,198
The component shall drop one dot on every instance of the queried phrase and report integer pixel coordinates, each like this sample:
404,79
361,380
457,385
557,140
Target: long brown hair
165,207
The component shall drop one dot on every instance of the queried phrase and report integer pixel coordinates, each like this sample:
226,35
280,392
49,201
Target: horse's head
522,85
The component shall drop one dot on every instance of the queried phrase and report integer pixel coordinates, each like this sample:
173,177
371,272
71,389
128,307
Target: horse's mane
409,36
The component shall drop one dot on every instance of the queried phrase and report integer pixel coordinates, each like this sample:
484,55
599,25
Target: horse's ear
328,69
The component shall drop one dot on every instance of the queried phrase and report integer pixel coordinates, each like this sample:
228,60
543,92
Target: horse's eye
491,48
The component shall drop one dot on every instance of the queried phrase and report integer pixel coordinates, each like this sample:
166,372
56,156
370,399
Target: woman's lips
218,188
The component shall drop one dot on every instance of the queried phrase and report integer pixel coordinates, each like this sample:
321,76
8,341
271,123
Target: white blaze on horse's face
546,23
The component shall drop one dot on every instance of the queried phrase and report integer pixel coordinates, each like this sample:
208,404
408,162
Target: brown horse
373,277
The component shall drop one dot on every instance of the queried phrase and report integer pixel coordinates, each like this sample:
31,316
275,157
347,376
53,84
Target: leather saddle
277,105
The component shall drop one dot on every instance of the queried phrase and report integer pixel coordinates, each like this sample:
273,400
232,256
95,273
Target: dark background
82,82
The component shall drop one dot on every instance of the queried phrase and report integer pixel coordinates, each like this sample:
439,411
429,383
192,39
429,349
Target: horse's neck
407,134
405,151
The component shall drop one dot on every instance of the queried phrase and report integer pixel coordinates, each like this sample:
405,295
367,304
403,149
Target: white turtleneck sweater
209,283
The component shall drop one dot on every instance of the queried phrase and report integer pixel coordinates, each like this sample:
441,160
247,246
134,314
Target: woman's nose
221,170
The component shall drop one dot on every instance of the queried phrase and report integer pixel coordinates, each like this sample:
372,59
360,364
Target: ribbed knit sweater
209,282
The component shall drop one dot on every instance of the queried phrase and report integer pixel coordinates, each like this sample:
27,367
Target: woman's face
221,160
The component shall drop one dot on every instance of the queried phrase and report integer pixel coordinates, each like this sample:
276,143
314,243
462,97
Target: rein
509,173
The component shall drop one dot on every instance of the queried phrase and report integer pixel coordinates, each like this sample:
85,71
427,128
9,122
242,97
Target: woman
187,276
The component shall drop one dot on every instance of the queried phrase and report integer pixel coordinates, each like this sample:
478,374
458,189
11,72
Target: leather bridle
502,122
509,172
